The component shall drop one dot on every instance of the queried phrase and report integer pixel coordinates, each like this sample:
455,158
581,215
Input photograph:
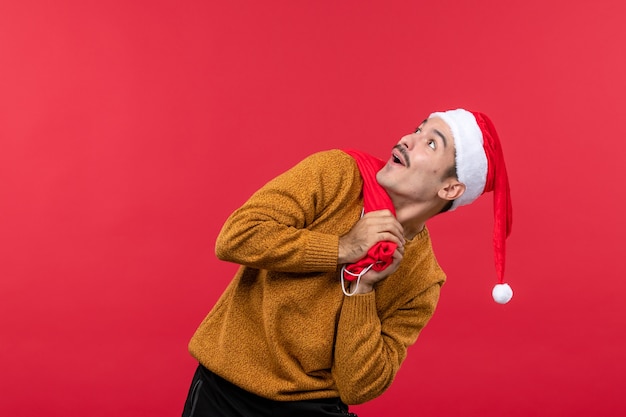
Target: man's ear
451,190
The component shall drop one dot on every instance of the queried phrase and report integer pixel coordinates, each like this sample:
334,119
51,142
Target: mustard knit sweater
283,329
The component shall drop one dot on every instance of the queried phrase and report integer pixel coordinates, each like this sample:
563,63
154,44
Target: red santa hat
480,166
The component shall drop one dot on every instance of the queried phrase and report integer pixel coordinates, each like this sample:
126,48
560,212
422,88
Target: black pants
212,396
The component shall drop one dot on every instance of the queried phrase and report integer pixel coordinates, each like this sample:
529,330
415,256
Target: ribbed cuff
321,252
359,308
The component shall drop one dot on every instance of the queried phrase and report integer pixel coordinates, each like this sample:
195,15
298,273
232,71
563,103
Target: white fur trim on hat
471,161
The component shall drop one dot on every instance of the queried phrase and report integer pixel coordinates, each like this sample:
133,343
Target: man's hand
371,277
373,227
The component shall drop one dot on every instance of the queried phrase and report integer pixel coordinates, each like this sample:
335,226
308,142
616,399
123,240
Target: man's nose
408,141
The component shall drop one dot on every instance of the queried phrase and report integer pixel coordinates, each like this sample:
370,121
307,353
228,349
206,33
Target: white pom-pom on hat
502,293
480,166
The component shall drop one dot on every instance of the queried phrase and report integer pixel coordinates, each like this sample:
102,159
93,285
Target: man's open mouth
400,156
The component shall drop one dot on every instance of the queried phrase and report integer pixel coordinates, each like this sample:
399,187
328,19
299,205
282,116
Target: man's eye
418,130
432,144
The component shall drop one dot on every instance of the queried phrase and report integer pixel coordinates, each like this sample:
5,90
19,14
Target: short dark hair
450,173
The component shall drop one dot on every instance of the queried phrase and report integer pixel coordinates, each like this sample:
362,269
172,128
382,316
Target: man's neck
413,217
411,225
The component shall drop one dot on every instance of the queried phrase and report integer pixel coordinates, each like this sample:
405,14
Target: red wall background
130,129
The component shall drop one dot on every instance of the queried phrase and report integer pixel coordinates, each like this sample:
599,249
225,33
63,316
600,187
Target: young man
294,334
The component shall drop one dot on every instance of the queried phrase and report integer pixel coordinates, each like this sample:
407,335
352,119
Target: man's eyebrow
438,132
443,138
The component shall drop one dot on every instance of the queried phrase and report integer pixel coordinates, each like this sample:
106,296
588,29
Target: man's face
419,163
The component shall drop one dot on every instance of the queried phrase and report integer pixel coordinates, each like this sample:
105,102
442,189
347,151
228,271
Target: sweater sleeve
273,229
370,350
